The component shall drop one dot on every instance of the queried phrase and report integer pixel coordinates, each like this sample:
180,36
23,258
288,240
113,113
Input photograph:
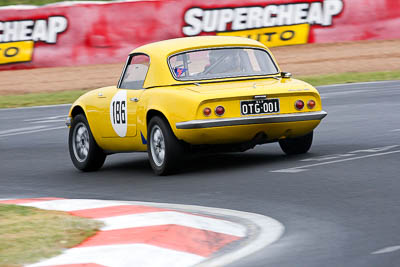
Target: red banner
82,33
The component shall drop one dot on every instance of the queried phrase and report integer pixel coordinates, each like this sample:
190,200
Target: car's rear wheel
164,149
299,145
85,154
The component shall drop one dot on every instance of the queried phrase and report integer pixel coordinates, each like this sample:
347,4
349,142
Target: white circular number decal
118,114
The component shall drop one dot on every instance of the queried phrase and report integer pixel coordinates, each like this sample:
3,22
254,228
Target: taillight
220,110
207,111
311,104
299,105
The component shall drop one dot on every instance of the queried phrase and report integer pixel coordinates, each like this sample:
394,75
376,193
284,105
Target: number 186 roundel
188,94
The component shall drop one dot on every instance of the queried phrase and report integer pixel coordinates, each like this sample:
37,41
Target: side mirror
286,75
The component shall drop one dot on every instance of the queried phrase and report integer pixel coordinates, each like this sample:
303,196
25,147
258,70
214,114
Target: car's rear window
221,63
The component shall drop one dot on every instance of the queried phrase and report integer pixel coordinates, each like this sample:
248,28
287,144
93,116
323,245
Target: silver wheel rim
80,142
157,145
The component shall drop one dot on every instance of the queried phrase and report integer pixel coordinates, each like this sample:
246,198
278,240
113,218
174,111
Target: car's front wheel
85,154
299,145
164,149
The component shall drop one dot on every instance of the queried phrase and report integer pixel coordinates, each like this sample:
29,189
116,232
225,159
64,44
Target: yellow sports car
210,93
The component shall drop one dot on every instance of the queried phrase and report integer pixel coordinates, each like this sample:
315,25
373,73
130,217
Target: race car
178,96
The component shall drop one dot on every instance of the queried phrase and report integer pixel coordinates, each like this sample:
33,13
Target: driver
223,61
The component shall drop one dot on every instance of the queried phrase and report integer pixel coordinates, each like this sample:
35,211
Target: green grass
28,234
37,99
351,77
32,2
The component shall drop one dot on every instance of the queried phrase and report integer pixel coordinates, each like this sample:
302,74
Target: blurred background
340,203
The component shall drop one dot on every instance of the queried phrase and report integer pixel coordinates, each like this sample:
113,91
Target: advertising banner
84,33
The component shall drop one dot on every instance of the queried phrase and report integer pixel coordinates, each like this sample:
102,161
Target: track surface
339,203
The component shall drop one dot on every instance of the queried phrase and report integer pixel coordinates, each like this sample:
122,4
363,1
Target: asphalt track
339,203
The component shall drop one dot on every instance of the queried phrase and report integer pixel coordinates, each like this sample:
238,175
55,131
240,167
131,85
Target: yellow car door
98,112
122,108
122,113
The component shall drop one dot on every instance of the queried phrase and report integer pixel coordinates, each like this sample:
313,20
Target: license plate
264,106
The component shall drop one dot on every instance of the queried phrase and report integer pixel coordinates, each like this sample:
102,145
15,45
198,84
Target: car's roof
171,46
159,73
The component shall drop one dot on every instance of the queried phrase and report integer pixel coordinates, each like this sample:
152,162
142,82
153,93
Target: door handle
100,95
134,99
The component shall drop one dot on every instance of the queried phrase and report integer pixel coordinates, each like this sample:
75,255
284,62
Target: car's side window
135,72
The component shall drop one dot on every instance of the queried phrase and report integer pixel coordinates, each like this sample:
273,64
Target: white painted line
386,250
269,230
328,157
173,217
22,129
49,121
73,204
292,170
359,83
395,130
351,154
386,90
34,131
371,90
123,256
303,168
324,95
35,107
376,149
48,118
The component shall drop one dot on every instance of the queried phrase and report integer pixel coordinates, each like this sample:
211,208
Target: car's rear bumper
292,117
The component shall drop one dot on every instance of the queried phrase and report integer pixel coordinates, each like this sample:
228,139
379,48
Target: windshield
221,63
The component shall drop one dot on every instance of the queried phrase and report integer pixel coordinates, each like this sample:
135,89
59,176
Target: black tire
85,154
299,145
167,142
